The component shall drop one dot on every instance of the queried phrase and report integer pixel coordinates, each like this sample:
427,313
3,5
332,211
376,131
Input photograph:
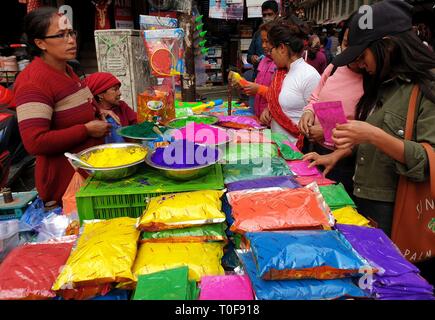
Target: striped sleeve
34,112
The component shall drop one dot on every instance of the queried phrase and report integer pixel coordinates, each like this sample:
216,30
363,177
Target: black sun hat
388,17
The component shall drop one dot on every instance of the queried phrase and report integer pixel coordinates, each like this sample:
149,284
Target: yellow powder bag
201,258
105,253
349,215
181,210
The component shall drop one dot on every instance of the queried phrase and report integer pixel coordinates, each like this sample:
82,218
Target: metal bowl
181,174
169,124
110,173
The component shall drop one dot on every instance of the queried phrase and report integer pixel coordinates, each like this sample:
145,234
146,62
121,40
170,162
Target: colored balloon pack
174,211
231,287
271,209
349,215
204,233
105,253
336,196
256,168
266,182
156,104
309,289
171,284
201,258
313,254
29,271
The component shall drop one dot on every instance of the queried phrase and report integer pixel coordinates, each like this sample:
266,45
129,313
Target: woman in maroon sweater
55,111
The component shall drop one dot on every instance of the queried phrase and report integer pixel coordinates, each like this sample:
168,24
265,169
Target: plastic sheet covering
266,182
29,271
105,253
231,287
349,215
239,122
270,209
171,284
323,254
243,152
205,233
298,289
336,196
201,258
175,211
256,168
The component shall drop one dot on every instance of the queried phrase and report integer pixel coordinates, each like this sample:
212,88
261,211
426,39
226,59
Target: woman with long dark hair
292,84
397,61
55,111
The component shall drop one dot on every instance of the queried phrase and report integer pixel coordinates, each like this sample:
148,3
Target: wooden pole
188,80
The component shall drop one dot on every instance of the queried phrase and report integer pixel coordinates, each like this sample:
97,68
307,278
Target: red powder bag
29,271
272,209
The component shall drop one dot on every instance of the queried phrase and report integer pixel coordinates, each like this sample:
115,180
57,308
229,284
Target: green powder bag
204,233
336,196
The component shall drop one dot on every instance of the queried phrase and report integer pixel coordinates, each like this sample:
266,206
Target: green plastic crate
129,197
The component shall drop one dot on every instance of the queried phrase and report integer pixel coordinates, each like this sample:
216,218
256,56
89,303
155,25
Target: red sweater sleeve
34,111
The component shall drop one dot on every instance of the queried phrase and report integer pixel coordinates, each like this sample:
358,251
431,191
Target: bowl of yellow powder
113,161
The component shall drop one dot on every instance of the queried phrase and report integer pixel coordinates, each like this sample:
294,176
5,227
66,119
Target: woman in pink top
265,71
343,84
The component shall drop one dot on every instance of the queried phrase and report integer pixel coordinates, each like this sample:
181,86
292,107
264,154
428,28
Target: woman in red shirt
55,111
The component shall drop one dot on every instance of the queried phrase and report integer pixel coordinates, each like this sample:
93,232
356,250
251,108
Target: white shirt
299,83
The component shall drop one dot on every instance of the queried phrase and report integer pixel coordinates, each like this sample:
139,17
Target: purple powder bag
268,182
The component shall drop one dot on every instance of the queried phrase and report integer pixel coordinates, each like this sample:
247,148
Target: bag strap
408,136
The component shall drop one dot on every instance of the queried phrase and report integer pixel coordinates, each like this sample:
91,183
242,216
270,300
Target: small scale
16,208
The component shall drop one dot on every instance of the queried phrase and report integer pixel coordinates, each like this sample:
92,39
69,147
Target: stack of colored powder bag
184,229
302,265
397,278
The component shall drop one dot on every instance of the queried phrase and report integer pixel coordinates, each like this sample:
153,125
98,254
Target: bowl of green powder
181,122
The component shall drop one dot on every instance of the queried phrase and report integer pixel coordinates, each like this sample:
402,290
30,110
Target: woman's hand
266,117
328,161
316,134
98,128
307,120
251,89
353,133
105,113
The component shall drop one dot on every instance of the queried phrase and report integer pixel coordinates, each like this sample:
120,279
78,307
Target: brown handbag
414,212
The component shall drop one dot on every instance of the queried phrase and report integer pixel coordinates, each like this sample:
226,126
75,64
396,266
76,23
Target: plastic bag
205,233
201,258
105,253
171,284
349,215
243,152
231,287
239,122
336,196
29,271
256,168
303,181
323,254
251,136
57,226
288,150
34,214
300,168
181,210
269,209
298,289
329,114
267,182
156,104
69,197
